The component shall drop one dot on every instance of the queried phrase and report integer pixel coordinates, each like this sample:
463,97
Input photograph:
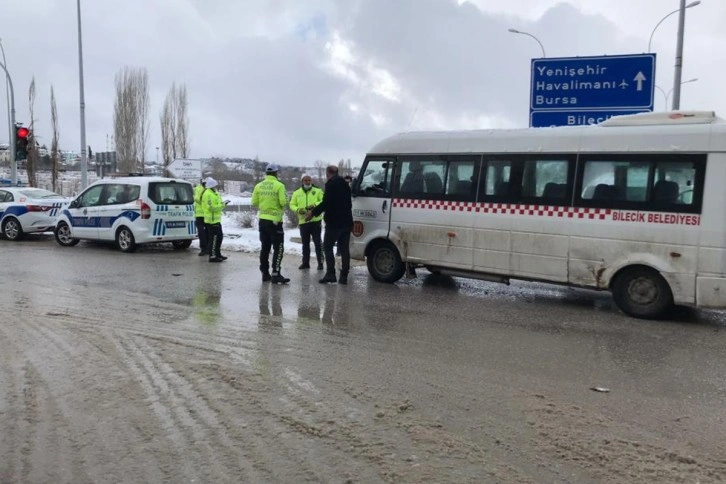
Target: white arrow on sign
187,169
639,78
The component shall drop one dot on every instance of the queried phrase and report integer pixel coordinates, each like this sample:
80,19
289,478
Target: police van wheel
384,263
641,292
182,244
125,240
12,229
62,235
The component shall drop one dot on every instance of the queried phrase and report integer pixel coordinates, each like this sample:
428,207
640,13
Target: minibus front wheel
641,292
384,262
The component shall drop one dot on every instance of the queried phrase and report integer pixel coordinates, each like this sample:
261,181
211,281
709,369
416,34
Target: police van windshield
171,193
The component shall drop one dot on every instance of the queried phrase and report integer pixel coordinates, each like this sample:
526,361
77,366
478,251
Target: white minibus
635,205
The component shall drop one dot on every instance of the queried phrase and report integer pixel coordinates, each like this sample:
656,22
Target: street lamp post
692,4
670,91
679,49
13,161
84,160
7,95
515,31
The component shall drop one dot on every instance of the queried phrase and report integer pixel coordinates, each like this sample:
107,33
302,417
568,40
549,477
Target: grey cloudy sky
294,81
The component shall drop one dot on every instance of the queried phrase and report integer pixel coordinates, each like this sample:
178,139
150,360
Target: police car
130,211
25,210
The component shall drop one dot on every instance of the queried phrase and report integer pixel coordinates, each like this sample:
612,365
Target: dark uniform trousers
308,230
272,237
214,239
202,234
341,236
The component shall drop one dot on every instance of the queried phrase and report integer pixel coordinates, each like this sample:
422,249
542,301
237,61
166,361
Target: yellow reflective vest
213,207
302,201
198,192
270,198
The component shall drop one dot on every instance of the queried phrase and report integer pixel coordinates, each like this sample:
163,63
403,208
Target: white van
130,211
634,205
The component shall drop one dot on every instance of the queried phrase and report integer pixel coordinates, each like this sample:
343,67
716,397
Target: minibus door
371,203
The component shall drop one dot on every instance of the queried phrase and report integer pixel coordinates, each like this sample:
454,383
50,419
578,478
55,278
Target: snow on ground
239,239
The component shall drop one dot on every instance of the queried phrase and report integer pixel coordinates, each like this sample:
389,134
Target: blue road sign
608,83
544,119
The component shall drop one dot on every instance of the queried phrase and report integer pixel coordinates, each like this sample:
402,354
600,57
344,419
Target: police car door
5,199
84,218
371,203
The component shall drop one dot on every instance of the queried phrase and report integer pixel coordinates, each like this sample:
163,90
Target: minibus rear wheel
384,262
641,292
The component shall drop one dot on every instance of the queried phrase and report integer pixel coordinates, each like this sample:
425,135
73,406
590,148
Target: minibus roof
678,131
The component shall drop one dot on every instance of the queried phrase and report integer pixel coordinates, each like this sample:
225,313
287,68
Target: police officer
270,198
213,208
305,198
199,217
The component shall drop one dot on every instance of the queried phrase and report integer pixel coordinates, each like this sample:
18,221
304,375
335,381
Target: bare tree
31,164
320,168
182,123
142,97
54,142
167,146
130,117
344,167
175,124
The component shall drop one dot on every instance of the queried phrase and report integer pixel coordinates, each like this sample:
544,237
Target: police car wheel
182,244
125,240
12,229
63,235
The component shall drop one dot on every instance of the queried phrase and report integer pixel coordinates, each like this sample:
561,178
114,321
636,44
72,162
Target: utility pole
679,58
13,161
7,96
84,160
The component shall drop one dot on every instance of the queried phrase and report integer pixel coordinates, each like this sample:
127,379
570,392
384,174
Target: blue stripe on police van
100,221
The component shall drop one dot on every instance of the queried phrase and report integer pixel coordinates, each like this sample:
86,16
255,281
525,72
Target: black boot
266,276
320,266
343,279
304,265
279,279
328,278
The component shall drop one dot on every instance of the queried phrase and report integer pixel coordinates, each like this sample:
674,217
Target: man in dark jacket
338,218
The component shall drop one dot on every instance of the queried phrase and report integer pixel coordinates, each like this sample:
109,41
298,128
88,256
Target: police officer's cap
272,168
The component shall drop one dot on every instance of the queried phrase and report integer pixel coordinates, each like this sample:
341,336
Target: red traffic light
23,132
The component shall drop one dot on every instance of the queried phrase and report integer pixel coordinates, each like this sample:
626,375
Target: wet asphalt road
160,367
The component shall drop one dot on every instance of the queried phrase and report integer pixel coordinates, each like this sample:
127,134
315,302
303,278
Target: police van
130,211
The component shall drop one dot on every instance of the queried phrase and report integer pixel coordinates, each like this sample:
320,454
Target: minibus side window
461,178
546,180
648,182
605,180
422,178
497,178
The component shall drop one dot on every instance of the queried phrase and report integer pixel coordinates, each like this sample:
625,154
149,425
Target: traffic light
21,142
